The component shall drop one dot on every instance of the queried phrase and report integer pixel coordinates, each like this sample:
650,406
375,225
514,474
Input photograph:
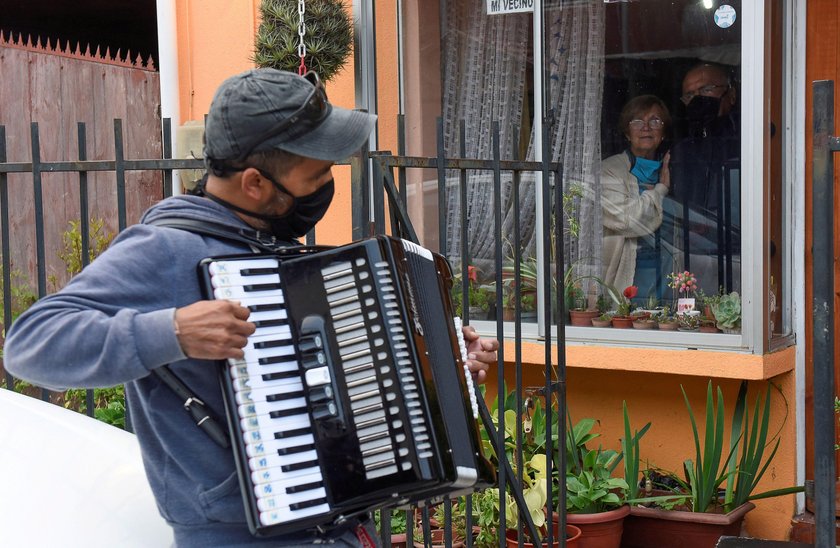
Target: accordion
353,394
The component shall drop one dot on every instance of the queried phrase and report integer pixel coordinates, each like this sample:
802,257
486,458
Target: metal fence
382,208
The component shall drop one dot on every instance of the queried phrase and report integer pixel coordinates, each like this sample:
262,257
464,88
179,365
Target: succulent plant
328,37
727,311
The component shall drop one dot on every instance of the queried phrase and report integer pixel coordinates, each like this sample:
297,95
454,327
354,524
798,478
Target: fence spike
139,61
108,54
150,64
29,40
78,52
117,56
96,54
2,40
87,50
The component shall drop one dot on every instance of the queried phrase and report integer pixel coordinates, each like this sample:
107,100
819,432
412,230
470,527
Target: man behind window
705,168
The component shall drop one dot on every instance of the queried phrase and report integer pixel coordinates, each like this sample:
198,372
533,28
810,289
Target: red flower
472,274
631,291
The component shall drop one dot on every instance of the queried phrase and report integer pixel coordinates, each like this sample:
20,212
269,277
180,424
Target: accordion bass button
325,411
323,393
309,343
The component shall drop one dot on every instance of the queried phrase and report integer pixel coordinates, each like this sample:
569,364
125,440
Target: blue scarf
646,171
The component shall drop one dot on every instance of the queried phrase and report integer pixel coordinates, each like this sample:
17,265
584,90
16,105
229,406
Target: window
652,107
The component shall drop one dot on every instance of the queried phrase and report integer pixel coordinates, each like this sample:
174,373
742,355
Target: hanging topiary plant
328,36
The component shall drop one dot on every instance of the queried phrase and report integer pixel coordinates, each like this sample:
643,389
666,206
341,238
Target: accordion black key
353,394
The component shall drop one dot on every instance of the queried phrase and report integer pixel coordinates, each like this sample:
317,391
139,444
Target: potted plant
580,311
688,321
595,500
707,325
622,318
713,497
604,320
398,526
479,297
665,320
727,312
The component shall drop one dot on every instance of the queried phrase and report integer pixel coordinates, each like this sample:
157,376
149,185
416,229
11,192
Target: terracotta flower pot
438,539
647,527
399,541
622,322
573,535
583,318
644,324
601,323
601,530
668,326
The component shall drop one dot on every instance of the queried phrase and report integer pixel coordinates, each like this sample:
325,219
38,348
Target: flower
472,273
624,305
684,282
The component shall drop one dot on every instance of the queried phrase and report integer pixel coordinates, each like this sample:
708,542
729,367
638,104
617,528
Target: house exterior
577,63
402,66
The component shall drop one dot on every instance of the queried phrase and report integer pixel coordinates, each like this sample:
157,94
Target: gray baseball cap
264,109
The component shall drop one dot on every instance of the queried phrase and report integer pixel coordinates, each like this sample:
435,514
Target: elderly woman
633,185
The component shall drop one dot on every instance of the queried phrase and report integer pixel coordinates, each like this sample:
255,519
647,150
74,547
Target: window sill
690,362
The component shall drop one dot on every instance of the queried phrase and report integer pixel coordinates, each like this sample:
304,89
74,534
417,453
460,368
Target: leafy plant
625,304
727,311
399,521
71,238
707,472
109,404
328,38
478,295
593,489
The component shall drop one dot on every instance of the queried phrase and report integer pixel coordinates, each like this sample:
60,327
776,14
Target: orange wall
215,41
657,398
208,56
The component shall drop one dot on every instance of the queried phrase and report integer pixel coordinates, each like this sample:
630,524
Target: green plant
593,489
478,294
727,311
590,484
399,521
605,317
688,321
71,253
20,293
630,452
707,472
328,38
109,404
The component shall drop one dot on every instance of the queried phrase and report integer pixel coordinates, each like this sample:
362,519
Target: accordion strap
194,406
247,236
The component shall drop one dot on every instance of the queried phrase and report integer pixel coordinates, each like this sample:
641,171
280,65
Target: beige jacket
626,215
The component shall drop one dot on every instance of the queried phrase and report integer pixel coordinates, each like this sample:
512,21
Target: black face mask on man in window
701,113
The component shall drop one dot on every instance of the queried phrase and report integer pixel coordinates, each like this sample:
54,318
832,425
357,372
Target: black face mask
303,214
701,112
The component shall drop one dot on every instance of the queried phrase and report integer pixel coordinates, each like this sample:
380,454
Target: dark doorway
127,25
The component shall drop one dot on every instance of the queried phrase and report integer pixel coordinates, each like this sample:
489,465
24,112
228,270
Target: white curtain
485,80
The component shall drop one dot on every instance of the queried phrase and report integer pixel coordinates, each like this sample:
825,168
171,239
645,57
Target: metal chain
301,33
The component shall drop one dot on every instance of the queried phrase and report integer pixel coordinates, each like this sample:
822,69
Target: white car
69,480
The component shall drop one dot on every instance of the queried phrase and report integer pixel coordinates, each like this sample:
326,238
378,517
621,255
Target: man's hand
213,330
480,353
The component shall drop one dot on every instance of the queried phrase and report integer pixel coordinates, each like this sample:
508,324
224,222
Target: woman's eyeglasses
653,123
705,91
313,110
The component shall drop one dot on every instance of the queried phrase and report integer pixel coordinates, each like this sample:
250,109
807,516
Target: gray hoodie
113,324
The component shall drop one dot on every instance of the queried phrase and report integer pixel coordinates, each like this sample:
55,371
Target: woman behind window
633,184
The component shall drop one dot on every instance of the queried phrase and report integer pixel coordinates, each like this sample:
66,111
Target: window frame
753,338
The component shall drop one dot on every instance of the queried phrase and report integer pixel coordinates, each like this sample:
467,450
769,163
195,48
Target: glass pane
777,315
671,142
644,100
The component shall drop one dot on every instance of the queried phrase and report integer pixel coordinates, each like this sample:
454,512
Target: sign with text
685,305
501,7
